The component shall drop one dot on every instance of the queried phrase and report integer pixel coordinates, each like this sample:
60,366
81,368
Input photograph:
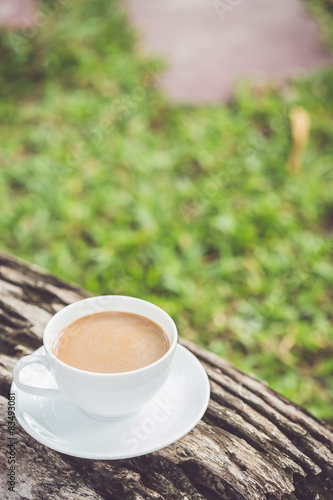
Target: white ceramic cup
102,395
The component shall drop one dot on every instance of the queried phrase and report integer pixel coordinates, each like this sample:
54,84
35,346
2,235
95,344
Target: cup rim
169,352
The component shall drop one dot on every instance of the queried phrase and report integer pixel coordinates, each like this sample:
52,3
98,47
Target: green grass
105,183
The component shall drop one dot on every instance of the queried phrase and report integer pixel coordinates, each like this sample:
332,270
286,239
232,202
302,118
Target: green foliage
105,183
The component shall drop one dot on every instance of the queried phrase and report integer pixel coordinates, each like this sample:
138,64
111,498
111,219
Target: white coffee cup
102,395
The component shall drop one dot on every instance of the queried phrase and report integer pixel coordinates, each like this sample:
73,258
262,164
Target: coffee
111,342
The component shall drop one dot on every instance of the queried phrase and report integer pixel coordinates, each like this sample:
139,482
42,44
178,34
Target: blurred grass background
105,183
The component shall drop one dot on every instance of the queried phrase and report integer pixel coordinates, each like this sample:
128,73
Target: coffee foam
111,342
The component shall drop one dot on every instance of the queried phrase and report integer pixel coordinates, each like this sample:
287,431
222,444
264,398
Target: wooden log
251,444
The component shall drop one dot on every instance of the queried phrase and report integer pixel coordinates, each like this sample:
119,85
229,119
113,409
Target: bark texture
251,444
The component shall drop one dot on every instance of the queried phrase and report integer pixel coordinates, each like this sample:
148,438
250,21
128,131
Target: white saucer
60,425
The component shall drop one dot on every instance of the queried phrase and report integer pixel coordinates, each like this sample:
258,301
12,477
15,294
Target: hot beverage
111,342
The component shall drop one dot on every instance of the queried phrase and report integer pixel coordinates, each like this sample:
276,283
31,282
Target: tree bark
251,444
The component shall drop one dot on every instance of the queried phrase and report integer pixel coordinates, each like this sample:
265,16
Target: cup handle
30,389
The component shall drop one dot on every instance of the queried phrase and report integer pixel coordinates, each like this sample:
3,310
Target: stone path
210,44
16,13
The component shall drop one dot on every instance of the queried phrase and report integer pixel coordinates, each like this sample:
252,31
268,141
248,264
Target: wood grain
252,443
